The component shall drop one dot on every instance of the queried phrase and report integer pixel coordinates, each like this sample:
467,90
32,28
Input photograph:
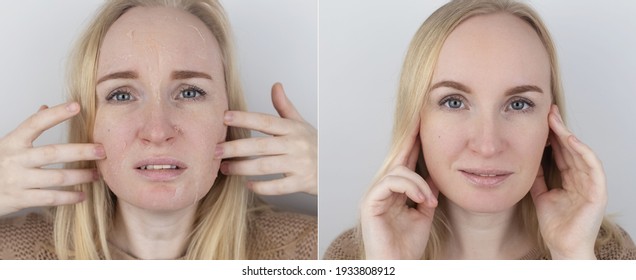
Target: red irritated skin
161,98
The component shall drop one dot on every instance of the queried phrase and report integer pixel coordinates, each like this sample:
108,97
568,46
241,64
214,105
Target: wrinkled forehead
168,35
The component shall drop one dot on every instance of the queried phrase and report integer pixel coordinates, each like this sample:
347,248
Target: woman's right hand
23,183
390,228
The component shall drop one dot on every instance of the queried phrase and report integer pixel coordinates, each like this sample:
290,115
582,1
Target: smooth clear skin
489,113
23,182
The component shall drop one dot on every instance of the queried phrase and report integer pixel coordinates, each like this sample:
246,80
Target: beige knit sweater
273,235
346,247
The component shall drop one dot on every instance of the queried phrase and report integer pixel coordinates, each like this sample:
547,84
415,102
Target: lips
160,169
485,177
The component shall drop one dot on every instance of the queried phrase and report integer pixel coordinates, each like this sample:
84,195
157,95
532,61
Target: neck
486,235
146,234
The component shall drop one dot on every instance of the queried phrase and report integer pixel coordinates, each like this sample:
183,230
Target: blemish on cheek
130,34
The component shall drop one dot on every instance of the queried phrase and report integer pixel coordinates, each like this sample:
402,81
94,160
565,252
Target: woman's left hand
291,151
570,217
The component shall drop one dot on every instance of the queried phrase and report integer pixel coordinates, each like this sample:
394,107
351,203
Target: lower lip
161,175
485,181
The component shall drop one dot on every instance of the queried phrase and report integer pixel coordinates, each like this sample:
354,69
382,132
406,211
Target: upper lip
161,161
486,172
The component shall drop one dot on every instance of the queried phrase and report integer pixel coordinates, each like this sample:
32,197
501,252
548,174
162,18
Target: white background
276,41
362,45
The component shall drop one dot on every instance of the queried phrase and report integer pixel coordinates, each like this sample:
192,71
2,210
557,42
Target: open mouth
158,167
485,178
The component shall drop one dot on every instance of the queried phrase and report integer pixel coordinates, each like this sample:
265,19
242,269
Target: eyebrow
464,88
176,75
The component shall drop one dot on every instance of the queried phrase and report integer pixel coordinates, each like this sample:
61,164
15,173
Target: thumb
283,105
538,187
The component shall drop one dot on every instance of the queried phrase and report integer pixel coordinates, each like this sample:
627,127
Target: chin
161,197
484,200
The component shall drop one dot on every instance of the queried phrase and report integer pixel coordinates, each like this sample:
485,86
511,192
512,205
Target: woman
482,165
155,104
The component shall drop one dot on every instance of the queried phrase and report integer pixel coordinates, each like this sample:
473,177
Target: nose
487,135
157,126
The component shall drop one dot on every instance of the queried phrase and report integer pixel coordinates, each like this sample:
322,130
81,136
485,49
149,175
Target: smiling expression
160,102
484,126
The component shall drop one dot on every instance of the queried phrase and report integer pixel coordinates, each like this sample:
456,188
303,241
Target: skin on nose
156,126
486,135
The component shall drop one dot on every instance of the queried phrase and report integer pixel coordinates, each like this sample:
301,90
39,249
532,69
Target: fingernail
99,151
72,107
95,174
421,197
224,168
218,152
229,116
249,184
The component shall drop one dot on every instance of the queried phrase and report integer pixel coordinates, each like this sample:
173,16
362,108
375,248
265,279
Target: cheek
441,141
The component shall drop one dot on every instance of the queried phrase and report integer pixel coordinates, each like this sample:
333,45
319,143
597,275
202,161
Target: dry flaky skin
273,235
347,247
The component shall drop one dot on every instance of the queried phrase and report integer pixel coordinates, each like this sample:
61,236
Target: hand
391,229
570,218
23,183
291,151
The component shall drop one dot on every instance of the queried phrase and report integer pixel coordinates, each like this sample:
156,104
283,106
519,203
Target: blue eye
191,93
119,96
520,105
453,102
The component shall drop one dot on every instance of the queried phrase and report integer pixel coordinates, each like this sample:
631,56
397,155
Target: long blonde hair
80,230
414,86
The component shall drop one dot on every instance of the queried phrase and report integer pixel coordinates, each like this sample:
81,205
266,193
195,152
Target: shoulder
27,237
345,247
616,245
283,235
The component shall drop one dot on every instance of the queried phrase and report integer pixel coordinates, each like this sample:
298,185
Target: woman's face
160,103
484,126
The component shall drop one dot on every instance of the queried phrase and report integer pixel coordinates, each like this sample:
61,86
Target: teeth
158,167
487,175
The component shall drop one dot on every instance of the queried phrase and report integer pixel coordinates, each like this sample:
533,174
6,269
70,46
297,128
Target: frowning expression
160,102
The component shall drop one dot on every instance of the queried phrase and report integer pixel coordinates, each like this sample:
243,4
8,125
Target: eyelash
201,93
445,103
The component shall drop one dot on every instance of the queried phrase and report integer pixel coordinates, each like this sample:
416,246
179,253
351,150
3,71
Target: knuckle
48,199
58,178
49,152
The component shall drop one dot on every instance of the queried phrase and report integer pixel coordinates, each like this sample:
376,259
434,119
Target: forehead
499,47
158,35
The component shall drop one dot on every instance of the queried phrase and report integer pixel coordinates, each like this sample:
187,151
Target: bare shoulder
27,237
283,235
345,247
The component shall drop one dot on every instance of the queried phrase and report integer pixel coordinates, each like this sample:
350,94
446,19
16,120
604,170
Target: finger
33,127
556,152
45,178
562,134
258,166
391,184
281,186
43,198
414,155
587,157
258,146
538,186
283,105
42,156
405,153
265,123
423,185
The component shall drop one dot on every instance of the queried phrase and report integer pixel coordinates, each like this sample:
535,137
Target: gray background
276,41
362,45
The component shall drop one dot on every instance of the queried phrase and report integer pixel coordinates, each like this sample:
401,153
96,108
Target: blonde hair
414,86
220,229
